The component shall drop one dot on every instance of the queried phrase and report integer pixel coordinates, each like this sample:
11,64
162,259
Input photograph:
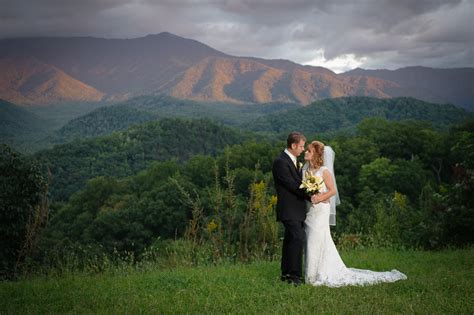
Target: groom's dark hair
294,137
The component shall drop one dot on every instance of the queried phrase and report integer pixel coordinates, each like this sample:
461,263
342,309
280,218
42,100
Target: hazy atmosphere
339,35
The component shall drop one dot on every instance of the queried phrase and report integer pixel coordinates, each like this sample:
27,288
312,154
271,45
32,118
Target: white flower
312,184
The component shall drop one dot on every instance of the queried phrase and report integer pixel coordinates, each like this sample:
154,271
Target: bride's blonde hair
318,150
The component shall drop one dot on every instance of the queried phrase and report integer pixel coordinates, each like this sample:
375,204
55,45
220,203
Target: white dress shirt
292,157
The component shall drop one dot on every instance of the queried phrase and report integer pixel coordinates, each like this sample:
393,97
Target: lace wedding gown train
323,265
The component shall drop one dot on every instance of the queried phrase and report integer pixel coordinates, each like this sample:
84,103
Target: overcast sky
336,34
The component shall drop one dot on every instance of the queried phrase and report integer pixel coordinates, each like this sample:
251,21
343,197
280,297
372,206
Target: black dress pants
292,253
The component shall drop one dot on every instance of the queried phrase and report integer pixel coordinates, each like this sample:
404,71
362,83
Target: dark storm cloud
337,34
56,17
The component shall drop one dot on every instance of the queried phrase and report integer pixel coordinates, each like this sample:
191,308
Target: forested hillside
324,116
347,112
401,184
207,186
102,121
19,128
105,120
125,153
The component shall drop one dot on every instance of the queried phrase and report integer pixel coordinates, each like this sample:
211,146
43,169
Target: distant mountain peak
162,35
168,34
166,63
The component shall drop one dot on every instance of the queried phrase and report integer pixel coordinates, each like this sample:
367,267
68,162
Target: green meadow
439,282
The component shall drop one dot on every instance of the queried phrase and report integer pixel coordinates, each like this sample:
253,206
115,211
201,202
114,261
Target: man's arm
283,175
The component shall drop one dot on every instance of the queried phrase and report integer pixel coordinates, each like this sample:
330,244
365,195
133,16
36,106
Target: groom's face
298,148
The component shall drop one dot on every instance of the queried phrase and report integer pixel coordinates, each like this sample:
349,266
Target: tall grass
253,235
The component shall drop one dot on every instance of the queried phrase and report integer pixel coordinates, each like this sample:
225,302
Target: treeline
105,120
30,133
127,152
30,130
24,209
347,112
19,128
402,184
102,121
321,116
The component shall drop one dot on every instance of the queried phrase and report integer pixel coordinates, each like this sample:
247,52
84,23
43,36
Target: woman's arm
329,185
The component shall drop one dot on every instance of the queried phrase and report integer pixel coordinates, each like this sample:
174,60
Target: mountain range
45,71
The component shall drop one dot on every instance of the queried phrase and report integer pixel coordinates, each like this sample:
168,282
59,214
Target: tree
351,154
459,201
378,175
23,208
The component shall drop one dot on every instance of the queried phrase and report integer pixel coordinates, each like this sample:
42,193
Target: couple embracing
306,219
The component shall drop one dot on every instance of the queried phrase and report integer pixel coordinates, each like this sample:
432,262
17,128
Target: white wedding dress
323,265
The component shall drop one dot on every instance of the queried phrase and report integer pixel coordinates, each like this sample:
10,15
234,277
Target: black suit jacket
291,199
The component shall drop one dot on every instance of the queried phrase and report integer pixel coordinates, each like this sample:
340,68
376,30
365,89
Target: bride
323,265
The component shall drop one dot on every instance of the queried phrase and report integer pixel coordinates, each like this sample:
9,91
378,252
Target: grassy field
438,283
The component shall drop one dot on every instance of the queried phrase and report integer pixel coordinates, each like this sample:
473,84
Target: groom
291,207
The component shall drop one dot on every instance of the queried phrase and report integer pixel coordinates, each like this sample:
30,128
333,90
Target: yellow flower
273,200
211,226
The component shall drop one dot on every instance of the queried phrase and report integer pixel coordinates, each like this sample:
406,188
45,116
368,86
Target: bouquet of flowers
312,184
